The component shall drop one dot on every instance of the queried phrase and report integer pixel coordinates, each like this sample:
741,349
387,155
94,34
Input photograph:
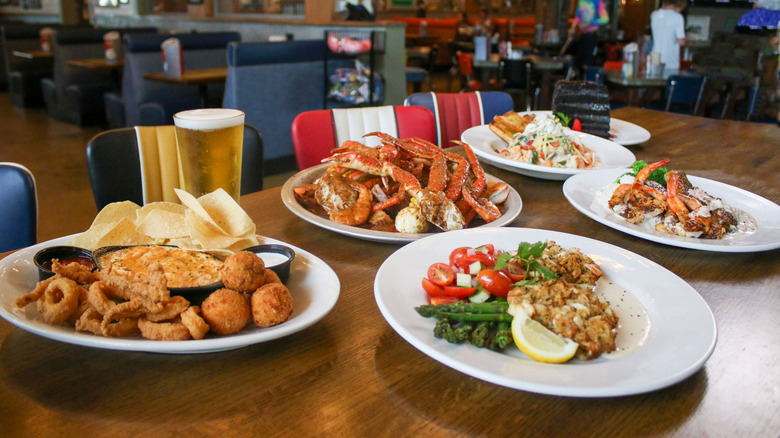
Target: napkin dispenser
173,61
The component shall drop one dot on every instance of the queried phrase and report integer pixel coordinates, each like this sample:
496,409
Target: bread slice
507,125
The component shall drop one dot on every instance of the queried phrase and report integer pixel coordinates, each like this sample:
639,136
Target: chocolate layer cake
586,101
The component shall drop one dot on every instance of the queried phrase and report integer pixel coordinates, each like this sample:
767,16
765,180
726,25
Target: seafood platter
194,275
403,190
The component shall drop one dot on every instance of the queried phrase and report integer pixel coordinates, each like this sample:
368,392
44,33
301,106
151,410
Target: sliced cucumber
475,267
463,280
480,296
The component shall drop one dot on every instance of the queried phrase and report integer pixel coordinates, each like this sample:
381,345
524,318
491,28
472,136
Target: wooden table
201,77
115,67
546,66
33,54
352,375
636,83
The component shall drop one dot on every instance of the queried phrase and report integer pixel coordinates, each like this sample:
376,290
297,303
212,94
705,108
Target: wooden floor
55,152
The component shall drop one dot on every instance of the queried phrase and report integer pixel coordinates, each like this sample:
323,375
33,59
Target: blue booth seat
272,83
75,94
148,103
24,75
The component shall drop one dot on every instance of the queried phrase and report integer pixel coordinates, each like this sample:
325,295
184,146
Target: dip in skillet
183,268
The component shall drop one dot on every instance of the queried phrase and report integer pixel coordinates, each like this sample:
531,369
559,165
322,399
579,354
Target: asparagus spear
480,334
489,307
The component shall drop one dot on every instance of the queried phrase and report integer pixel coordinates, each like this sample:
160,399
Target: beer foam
208,118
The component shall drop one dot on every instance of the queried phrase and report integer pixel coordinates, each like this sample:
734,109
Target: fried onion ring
75,271
90,321
97,297
59,300
35,294
272,304
195,324
171,308
163,331
120,328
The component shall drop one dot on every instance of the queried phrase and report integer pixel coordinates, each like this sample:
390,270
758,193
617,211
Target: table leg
203,90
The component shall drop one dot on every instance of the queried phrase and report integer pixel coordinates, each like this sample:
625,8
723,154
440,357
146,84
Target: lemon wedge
538,342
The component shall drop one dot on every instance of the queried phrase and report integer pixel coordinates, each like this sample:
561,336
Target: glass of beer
210,143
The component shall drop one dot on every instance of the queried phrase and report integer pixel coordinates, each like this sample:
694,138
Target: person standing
668,28
588,17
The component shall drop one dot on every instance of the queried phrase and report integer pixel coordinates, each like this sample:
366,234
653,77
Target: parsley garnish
527,254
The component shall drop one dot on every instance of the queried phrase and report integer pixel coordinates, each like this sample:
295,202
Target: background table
351,375
115,67
201,77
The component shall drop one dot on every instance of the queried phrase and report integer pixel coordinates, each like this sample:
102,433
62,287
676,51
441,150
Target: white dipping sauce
633,322
272,258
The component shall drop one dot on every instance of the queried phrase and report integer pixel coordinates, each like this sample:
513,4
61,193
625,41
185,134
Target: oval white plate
581,192
682,328
627,133
513,206
486,144
313,284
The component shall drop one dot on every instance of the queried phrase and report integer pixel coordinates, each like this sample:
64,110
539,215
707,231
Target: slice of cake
586,101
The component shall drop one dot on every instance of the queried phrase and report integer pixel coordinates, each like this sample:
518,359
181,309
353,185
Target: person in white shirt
668,28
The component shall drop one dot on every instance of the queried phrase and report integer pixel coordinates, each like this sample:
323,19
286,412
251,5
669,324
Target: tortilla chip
227,214
163,224
156,206
123,233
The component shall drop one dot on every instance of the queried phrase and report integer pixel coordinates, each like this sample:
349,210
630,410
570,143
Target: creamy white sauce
633,323
272,258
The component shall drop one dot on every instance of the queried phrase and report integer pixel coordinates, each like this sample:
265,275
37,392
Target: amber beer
210,143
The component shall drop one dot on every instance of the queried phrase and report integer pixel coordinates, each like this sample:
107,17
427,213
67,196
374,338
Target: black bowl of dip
64,254
195,293
277,258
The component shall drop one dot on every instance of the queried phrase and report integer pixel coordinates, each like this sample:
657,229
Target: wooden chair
316,133
456,112
115,167
19,221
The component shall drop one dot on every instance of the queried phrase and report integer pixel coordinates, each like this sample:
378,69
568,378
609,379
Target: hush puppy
225,311
243,271
272,304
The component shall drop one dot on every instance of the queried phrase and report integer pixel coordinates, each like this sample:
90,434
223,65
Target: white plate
681,337
627,133
512,206
581,192
486,144
313,284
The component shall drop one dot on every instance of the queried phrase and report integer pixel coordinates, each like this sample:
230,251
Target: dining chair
115,167
684,93
316,133
417,75
515,76
18,195
594,74
456,112
466,71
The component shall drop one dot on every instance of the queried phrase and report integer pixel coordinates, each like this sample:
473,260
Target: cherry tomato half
443,300
495,282
441,274
457,253
432,289
466,260
459,292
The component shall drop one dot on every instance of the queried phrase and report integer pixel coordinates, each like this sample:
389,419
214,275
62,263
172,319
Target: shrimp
698,218
637,201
